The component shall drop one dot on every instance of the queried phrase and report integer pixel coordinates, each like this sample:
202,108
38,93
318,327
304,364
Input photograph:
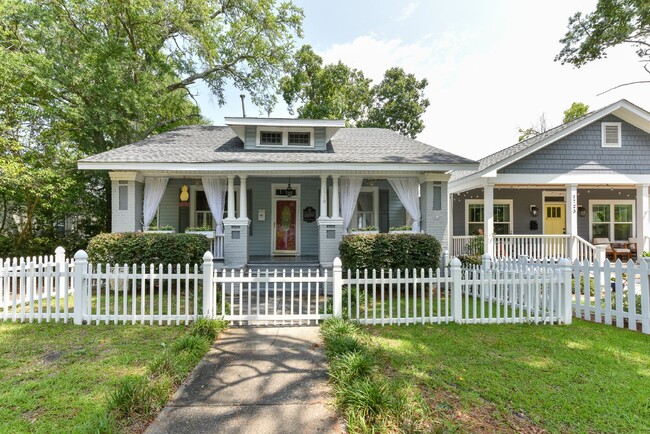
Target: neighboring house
268,185
553,194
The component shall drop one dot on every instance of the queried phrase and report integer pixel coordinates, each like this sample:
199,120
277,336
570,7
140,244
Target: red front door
285,226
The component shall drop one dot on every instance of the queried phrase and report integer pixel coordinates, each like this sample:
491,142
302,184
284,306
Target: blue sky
489,64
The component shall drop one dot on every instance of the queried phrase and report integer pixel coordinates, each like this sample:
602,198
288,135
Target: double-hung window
502,217
613,220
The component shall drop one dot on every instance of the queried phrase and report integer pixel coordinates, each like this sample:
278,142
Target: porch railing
533,246
217,246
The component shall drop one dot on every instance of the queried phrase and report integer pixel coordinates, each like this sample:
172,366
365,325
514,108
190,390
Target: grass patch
368,400
584,377
60,378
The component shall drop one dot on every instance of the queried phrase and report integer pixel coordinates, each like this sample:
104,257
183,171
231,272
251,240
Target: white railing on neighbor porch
532,246
216,246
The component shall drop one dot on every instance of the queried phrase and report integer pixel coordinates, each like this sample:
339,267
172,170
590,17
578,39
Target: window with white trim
613,220
285,137
502,217
611,134
366,212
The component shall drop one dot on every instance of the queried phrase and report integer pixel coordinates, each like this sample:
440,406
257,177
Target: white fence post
59,266
80,271
565,290
337,283
600,254
444,261
456,290
486,259
208,292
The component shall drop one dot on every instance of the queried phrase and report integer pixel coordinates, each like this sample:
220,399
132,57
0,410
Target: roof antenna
243,109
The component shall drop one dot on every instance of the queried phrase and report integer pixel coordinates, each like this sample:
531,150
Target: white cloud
407,11
479,97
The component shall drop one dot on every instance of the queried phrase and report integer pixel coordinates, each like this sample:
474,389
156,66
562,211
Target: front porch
272,221
551,221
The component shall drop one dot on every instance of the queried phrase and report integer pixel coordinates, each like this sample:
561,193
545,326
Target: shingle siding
582,153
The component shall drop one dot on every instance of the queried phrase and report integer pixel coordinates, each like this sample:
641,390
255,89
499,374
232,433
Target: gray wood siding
319,139
581,152
168,208
251,137
396,211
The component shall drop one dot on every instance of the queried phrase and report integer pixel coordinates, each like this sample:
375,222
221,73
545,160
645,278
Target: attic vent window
272,138
611,134
299,139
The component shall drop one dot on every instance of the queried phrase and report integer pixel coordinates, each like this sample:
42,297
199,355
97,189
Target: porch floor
261,262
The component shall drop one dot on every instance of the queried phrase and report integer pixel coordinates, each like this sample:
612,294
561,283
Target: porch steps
285,264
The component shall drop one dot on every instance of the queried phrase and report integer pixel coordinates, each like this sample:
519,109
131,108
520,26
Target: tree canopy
79,77
614,22
337,91
577,110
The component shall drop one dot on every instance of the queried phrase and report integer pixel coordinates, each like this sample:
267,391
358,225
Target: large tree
614,22
577,110
91,75
336,91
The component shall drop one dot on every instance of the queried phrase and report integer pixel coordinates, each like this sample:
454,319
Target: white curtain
350,188
407,190
154,188
215,193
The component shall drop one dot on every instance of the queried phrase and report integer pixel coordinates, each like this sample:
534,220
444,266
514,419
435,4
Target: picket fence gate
57,289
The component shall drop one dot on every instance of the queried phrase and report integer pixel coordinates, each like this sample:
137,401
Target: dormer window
271,138
611,134
299,138
285,137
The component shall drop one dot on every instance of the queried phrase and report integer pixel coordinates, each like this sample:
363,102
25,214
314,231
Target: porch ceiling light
534,211
290,191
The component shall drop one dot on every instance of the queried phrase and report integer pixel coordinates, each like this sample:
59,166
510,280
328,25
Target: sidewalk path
255,380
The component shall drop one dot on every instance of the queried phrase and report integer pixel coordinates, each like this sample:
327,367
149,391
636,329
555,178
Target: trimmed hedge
389,251
144,248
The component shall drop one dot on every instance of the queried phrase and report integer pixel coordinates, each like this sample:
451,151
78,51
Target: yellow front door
554,218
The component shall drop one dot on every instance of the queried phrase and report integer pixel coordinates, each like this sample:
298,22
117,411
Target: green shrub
390,251
592,290
146,248
467,260
348,366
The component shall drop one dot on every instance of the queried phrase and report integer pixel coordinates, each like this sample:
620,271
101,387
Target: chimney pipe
243,109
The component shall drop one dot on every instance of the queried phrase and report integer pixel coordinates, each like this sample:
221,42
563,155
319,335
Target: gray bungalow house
562,192
283,189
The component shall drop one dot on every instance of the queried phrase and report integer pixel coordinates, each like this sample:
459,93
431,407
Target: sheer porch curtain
407,190
350,188
215,193
154,189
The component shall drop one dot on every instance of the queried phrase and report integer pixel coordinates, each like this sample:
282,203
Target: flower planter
208,234
353,232
159,231
403,232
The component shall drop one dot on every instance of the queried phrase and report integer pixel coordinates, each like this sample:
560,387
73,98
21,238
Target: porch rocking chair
612,252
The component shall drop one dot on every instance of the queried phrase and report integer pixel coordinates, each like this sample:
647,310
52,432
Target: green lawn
584,377
57,377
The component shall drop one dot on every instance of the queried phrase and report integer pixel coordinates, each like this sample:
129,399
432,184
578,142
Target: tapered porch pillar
243,203
336,205
642,218
235,248
572,220
323,196
488,219
230,210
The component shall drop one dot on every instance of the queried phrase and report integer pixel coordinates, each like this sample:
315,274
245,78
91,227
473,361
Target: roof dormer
284,134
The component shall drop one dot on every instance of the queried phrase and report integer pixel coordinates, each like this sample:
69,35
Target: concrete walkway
255,380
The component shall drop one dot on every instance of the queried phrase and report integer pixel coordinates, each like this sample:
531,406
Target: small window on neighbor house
299,139
611,134
437,195
271,138
123,197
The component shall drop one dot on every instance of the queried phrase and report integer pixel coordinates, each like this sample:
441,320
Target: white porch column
488,219
243,204
572,219
642,218
336,206
231,197
323,196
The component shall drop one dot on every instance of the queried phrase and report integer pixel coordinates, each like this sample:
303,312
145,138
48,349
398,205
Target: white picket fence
518,294
100,293
36,288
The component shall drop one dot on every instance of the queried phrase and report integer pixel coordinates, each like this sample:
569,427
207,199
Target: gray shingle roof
503,154
216,144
